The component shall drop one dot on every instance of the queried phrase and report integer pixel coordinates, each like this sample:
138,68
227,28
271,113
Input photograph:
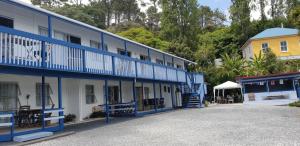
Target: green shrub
295,104
206,103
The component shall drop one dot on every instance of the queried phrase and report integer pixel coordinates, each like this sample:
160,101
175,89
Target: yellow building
284,42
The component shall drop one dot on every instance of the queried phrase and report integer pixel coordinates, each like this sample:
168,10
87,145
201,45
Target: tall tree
179,21
240,16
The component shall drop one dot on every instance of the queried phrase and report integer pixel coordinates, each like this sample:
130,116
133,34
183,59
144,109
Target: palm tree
257,65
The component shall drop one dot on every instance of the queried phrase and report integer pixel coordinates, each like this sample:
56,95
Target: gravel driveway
217,125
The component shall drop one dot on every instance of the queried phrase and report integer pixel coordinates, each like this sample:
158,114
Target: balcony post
43,54
155,100
120,86
134,97
149,57
143,95
43,101
49,26
125,47
160,92
106,101
102,41
113,65
61,121
83,61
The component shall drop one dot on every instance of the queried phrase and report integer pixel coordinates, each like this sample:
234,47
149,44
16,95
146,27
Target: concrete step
32,136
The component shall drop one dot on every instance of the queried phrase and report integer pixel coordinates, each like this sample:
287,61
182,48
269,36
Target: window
7,22
255,87
89,94
283,46
144,57
66,37
169,90
43,31
8,96
61,36
38,90
158,61
94,44
123,52
264,47
179,66
74,39
170,64
105,47
281,85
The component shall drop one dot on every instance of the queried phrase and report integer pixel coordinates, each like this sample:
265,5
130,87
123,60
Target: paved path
218,125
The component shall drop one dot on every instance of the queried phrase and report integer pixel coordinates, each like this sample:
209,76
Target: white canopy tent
224,86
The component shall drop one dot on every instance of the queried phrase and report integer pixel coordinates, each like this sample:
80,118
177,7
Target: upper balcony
23,49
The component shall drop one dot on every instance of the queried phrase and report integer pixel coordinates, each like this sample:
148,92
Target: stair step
32,136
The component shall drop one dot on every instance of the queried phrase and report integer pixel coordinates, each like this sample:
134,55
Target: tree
144,36
233,66
240,16
209,19
294,16
153,18
179,21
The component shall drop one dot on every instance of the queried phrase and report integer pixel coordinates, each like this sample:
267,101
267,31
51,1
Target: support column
120,86
267,85
61,121
106,101
160,93
134,97
149,57
154,92
49,26
43,101
102,41
143,97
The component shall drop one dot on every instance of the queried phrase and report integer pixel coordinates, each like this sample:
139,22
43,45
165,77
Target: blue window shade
256,87
281,85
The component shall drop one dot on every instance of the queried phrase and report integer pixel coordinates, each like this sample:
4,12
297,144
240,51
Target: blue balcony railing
18,48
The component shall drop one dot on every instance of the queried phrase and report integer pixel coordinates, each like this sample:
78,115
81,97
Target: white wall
260,97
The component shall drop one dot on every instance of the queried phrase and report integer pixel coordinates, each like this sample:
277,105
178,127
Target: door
113,95
140,100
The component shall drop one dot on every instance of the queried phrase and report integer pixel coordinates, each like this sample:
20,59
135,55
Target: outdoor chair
24,116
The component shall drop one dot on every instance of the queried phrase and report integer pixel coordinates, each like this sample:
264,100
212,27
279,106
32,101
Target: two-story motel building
53,66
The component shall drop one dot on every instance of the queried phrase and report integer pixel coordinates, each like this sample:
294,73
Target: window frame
12,19
286,46
88,95
95,42
264,49
159,61
38,97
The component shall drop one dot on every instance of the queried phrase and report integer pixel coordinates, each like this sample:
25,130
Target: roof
272,76
32,7
275,32
228,85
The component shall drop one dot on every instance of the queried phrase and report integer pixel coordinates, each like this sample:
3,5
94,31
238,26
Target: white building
52,66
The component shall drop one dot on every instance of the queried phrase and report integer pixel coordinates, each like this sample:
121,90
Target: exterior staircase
193,91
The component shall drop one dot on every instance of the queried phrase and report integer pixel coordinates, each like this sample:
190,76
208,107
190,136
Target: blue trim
149,57
134,97
49,26
143,95
125,46
160,92
154,93
59,86
106,100
43,101
120,85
